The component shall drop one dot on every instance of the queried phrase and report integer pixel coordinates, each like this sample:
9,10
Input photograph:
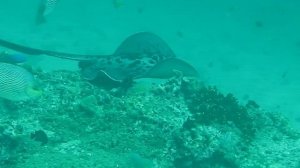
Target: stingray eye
155,57
151,61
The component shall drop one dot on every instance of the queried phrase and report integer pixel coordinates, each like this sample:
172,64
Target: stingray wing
145,44
168,68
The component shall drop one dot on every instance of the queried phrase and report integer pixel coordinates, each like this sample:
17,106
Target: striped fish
16,83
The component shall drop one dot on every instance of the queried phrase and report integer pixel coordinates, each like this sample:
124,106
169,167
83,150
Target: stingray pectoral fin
144,43
169,67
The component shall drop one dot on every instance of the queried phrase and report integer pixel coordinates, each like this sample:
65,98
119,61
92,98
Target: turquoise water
250,49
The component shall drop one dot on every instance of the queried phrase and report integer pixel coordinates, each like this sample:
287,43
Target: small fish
16,83
45,8
13,58
39,136
117,3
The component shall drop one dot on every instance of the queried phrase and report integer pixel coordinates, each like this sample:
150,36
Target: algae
177,123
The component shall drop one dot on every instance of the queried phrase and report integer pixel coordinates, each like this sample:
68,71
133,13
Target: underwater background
247,55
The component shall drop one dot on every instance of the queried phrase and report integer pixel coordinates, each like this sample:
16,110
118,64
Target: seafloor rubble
180,123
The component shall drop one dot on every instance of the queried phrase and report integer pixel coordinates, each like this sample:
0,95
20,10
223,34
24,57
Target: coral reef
179,123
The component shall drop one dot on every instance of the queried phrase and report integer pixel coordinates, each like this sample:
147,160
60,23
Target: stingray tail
34,51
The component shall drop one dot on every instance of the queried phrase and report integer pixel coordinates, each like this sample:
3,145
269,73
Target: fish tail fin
33,91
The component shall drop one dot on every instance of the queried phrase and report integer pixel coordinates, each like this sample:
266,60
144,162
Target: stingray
141,55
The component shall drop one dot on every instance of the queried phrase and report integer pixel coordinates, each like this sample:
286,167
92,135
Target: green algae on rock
179,123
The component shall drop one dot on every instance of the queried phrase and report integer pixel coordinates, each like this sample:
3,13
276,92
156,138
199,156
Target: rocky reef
178,123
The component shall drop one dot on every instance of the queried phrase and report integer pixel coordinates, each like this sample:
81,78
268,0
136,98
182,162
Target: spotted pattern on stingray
141,55
120,68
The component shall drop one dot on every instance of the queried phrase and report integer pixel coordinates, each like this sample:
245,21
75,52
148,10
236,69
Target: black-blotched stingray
141,55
